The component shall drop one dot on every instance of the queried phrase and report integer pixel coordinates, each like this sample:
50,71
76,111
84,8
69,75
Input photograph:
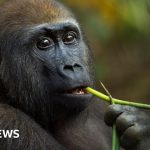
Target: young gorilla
45,65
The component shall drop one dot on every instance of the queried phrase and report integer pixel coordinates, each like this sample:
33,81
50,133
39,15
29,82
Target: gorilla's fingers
124,121
134,136
112,112
115,110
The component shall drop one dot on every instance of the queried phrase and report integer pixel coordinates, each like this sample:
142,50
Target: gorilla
45,66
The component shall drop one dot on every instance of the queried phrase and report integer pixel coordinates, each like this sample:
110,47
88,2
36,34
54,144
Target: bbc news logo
9,134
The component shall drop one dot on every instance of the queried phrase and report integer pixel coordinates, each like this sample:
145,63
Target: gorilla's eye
70,38
45,43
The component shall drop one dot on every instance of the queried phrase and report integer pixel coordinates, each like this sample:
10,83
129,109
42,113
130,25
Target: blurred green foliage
119,35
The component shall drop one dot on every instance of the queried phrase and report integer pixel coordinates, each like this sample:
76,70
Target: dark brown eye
45,43
70,38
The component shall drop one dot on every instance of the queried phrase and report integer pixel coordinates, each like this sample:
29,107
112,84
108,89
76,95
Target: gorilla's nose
72,68
72,71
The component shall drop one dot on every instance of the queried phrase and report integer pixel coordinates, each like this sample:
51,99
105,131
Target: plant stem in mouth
116,101
110,99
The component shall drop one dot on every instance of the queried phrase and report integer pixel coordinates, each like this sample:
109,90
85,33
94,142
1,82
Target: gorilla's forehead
32,12
58,24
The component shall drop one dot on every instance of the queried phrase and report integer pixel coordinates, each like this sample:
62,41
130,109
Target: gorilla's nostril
68,67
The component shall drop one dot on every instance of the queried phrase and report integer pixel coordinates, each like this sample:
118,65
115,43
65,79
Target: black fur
33,82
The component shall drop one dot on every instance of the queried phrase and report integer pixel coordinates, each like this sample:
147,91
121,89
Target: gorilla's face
62,63
46,66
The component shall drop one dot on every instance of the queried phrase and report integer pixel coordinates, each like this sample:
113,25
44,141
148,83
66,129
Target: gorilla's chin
71,103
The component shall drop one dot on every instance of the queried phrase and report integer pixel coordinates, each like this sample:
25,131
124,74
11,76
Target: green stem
115,140
117,101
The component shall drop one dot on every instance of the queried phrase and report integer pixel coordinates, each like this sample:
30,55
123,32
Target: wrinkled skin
133,126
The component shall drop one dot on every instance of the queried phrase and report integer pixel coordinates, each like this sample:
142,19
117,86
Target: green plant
110,99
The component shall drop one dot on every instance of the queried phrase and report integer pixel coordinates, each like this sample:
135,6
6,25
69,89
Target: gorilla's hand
133,126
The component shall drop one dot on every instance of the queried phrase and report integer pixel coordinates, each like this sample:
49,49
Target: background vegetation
119,35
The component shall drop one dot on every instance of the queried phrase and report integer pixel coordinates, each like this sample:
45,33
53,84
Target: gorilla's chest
90,135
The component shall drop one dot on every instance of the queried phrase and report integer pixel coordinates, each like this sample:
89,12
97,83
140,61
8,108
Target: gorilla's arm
32,136
133,126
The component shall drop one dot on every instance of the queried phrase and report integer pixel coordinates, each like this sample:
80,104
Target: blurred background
119,35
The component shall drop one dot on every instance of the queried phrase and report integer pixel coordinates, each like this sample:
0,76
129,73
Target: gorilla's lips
77,91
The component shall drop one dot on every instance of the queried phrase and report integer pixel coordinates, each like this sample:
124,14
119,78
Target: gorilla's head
44,60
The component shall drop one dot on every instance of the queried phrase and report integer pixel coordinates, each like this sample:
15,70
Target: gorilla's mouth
76,91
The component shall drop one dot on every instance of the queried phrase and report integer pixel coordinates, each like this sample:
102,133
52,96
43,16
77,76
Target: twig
116,101
110,99
115,139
